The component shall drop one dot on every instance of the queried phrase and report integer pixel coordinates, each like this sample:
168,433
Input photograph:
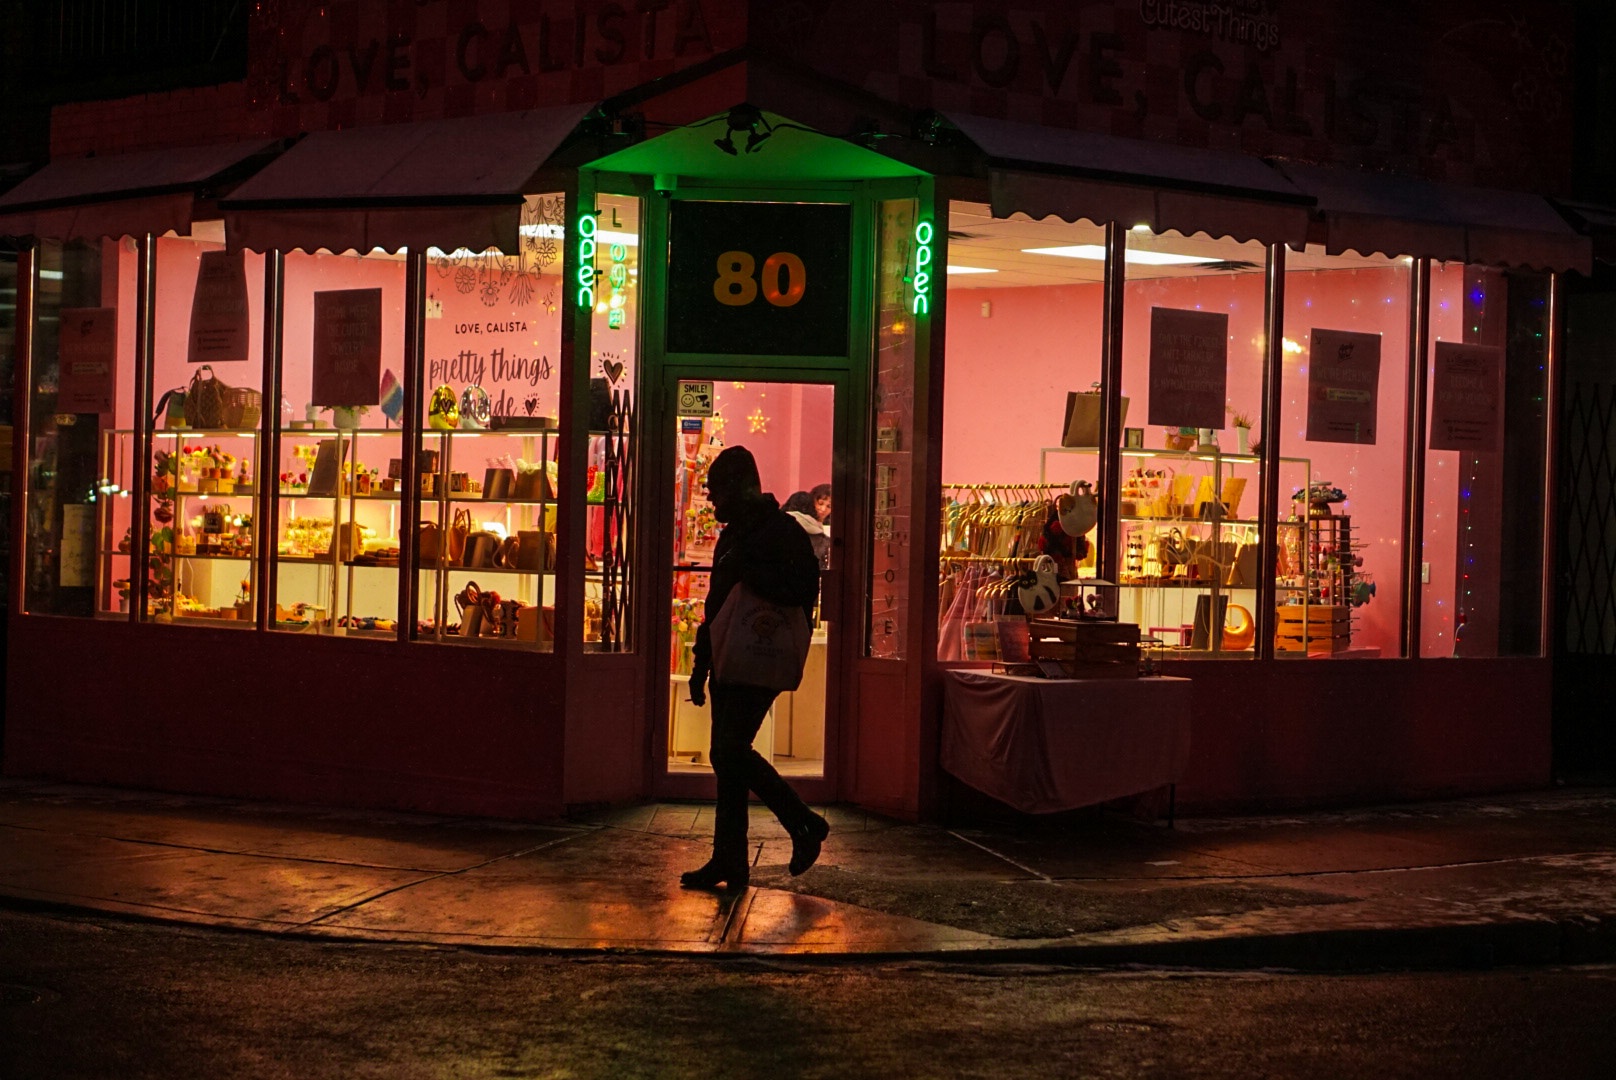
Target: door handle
830,596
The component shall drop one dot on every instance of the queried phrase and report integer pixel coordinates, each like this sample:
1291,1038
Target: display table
1042,745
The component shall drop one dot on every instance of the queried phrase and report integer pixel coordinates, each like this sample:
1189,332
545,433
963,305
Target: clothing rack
1003,560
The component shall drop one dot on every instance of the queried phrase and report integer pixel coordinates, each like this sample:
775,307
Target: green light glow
922,278
586,260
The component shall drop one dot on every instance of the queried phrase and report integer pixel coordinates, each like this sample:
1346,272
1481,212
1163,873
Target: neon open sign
586,260
922,279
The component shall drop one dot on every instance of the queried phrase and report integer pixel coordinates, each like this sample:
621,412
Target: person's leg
737,713
744,768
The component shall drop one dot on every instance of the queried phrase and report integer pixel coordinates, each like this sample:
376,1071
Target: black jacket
766,548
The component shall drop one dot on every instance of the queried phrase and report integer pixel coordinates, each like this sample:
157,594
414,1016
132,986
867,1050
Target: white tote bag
759,643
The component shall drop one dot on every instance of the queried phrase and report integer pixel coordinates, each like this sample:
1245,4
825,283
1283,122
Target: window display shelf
353,579
1188,493
474,497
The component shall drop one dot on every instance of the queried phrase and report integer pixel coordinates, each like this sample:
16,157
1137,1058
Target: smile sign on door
767,279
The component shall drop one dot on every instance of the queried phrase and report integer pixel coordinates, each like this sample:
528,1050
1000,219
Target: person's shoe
805,842
716,876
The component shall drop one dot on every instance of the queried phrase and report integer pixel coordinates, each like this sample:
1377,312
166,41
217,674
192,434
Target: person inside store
765,549
801,507
821,500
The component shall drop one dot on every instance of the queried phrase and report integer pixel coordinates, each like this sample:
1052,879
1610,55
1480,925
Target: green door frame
853,376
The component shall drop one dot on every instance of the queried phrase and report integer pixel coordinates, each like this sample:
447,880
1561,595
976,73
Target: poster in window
88,356
1343,383
347,347
1189,367
219,309
1467,395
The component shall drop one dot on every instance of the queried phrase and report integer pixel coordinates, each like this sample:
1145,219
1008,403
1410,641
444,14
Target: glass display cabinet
1188,535
203,499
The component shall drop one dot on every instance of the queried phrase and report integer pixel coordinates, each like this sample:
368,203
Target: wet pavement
1527,878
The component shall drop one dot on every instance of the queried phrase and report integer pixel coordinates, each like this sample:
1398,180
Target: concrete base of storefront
1292,733
289,717
512,735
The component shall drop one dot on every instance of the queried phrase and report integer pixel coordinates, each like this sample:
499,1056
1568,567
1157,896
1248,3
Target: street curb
1522,942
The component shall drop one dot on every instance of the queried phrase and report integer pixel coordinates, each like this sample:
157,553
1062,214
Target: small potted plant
346,417
1242,431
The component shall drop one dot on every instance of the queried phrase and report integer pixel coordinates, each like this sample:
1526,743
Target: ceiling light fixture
747,118
1135,255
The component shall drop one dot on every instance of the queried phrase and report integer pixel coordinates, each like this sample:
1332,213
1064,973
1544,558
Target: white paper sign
695,398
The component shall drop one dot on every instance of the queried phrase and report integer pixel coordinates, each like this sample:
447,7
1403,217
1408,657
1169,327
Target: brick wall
191,117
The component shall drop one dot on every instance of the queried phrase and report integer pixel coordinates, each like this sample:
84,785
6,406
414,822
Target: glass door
791,428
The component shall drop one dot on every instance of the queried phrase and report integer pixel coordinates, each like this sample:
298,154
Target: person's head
732,478
821,502
800,503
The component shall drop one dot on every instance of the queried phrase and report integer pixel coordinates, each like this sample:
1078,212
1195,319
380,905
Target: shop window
1482,557
207,394
901,237
338,525
83,355
609,474
1020,413
1193,359
1340,573
491,433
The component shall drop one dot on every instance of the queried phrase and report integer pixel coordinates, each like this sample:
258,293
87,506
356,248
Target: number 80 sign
761,279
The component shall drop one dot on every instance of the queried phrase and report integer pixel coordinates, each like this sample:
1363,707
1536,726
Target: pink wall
794,451
1007,374
498,328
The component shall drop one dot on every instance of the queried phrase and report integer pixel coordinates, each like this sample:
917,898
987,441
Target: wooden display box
1088,648
1318,629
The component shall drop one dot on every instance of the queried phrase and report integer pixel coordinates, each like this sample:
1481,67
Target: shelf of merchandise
118,452
332,595
531,587
1148,594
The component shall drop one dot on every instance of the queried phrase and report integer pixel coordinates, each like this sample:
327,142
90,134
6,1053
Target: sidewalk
1511,879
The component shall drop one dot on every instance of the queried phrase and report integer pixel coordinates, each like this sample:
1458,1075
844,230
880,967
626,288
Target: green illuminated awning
787,152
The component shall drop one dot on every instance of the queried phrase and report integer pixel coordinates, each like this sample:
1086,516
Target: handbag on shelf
532,484
1038,589
1174,551
759,643
506,556
205,400
458,531
481,550
1078,509
428,541
497,483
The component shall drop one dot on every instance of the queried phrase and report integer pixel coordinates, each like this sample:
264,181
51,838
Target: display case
488,550
1188,530
202,497
337,549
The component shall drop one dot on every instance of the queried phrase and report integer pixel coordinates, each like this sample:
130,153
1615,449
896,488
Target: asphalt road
98,997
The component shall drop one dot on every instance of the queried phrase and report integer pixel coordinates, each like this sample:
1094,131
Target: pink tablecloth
1042,745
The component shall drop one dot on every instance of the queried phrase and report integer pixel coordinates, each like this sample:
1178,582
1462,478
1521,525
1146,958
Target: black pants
738,712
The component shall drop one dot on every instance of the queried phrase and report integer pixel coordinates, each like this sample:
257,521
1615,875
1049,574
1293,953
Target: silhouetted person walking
765,549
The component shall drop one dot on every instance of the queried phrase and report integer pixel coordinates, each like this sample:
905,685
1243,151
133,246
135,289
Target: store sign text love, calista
596,34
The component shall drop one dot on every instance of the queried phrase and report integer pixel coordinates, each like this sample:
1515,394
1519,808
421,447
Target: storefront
426,529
